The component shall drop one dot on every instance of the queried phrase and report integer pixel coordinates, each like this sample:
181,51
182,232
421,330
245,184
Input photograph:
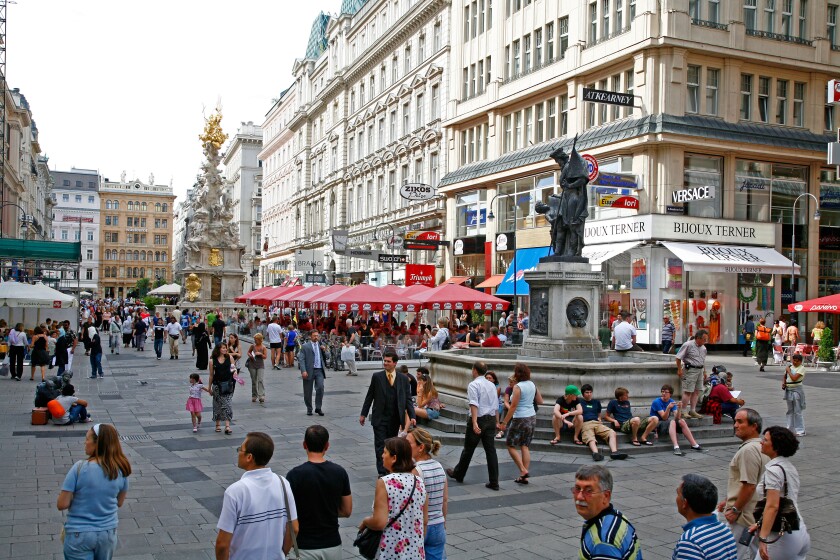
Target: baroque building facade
367,106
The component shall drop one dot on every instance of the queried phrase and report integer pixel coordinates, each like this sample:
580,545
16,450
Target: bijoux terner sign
669,227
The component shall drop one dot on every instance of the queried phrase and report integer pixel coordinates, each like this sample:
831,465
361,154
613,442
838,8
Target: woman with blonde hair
817,332
92,492
423,448
428,403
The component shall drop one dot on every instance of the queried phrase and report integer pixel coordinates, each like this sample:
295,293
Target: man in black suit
390,395
312,363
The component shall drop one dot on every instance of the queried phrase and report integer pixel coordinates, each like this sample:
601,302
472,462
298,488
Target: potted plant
825,352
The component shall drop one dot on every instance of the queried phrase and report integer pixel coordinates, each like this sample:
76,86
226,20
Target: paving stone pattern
179,477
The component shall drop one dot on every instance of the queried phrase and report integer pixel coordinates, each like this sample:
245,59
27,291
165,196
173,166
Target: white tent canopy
166,290
16,294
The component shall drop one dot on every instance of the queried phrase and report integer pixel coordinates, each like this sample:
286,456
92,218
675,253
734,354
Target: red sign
629,202
420,274
414,240
56,304
591,166
833,91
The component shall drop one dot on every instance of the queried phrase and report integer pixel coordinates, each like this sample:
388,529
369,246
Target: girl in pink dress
194,401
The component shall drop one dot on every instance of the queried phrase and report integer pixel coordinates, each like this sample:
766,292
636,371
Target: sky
119,85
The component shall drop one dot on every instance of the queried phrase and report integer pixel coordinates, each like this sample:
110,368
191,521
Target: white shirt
275,333
482,393
173,329
624,333
254,511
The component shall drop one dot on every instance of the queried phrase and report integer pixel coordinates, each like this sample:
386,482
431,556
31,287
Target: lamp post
793,240
491,217
23,218
393,241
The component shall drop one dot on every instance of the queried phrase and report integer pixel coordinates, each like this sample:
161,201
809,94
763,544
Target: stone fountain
562,346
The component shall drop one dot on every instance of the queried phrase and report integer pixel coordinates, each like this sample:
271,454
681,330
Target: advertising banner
420,274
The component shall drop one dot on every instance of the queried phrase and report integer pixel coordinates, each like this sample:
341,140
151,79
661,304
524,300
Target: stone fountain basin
642,373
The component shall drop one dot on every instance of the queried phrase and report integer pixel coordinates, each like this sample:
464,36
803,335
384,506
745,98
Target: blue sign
618,180
473,217
526,259
621,192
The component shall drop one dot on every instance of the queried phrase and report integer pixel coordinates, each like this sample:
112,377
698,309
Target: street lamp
491,217
793,240
393,242
23,217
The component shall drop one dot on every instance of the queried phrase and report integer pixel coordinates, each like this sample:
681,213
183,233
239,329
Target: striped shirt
434,478
668,330
609,536
705,538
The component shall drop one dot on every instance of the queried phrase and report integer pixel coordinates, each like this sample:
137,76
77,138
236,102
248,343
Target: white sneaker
800,434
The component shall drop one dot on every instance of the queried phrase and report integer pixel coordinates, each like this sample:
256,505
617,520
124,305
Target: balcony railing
603,38
780,37
710,24
835,47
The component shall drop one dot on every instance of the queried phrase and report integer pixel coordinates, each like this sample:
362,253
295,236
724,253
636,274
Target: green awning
33,250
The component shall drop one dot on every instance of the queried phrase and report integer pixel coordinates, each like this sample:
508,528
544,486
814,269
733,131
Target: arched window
163,256
136,255
122,255
107,205
137,205
113,272
149,256
136,272
142,255
165,207
107,273
157,256
130,206
107,254
142,273
116,205
144,207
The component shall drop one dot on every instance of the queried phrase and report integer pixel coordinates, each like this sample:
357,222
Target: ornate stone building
369,100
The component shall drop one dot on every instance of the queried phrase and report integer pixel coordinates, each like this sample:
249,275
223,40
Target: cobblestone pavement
179,477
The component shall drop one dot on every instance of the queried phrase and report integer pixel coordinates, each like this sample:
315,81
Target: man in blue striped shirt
606,534
704,537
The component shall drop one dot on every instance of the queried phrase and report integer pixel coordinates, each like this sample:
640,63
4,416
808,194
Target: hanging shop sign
609,97
505,241
339,240
696,193
423,240
591,166
307,260
468,245
417,191
616,180
420,274
389,258
609,197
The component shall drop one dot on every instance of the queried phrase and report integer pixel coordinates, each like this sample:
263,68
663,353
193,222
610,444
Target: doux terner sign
667,227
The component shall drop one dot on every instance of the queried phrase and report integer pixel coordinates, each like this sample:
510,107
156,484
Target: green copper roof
318,36
352,6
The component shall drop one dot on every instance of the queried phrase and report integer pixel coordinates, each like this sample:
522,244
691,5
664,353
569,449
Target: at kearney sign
669,227
610,97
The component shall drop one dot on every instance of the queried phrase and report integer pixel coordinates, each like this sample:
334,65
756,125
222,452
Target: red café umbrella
826,304
456,296
301,298
252,294
317,301
267,297
286,299
365,297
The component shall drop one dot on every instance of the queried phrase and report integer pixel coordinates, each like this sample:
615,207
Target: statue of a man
567,212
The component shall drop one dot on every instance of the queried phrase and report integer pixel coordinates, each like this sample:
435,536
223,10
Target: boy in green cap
568,415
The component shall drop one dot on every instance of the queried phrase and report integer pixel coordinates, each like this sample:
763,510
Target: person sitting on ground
721,402
592,429
620,414
568,415
75,409
664,407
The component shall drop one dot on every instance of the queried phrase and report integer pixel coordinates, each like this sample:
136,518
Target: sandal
636,443
218,429
228,431
646,442
578,442
521,480
554,441
500,435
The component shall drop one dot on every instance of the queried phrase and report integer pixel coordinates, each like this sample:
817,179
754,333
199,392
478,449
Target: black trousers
487,437
381,432
16,355
316,380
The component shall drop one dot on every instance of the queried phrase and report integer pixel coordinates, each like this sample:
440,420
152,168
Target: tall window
549,42
507,64
693,93
517,130
350,206
395,69
538,48
526,55
540,129
632,10
799,104
529,126
746,97
407,57
803,19
831,32
787,17
508,134
435,101
714,11
421,49
564,115
564,36
405,118
749,14
465,86
616,86
605,18
764,99
434,170
421,119
619,16
593,22
770,16
551,124
436,35
712,81
480,76
781,101
516,56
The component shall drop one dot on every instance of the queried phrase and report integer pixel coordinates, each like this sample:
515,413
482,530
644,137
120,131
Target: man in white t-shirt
275,342
625,335
255,523
173,331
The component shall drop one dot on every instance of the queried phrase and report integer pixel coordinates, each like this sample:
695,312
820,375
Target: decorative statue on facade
567,212
212,222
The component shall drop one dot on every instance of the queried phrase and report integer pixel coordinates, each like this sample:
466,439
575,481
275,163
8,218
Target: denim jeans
78,413
159,347
435,542
90,545
96,365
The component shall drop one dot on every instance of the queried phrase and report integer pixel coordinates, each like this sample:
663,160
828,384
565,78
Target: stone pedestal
219,271
564,312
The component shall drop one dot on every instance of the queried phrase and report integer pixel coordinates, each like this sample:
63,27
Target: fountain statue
213,270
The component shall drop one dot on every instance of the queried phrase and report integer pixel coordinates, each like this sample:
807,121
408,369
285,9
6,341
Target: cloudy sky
119,85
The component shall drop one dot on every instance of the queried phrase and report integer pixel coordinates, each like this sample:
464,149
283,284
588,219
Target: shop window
752,190
471,213
702,171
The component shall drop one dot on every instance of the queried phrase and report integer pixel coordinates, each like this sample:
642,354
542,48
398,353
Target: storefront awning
457,280
599,254
526,259
730,258
492,282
